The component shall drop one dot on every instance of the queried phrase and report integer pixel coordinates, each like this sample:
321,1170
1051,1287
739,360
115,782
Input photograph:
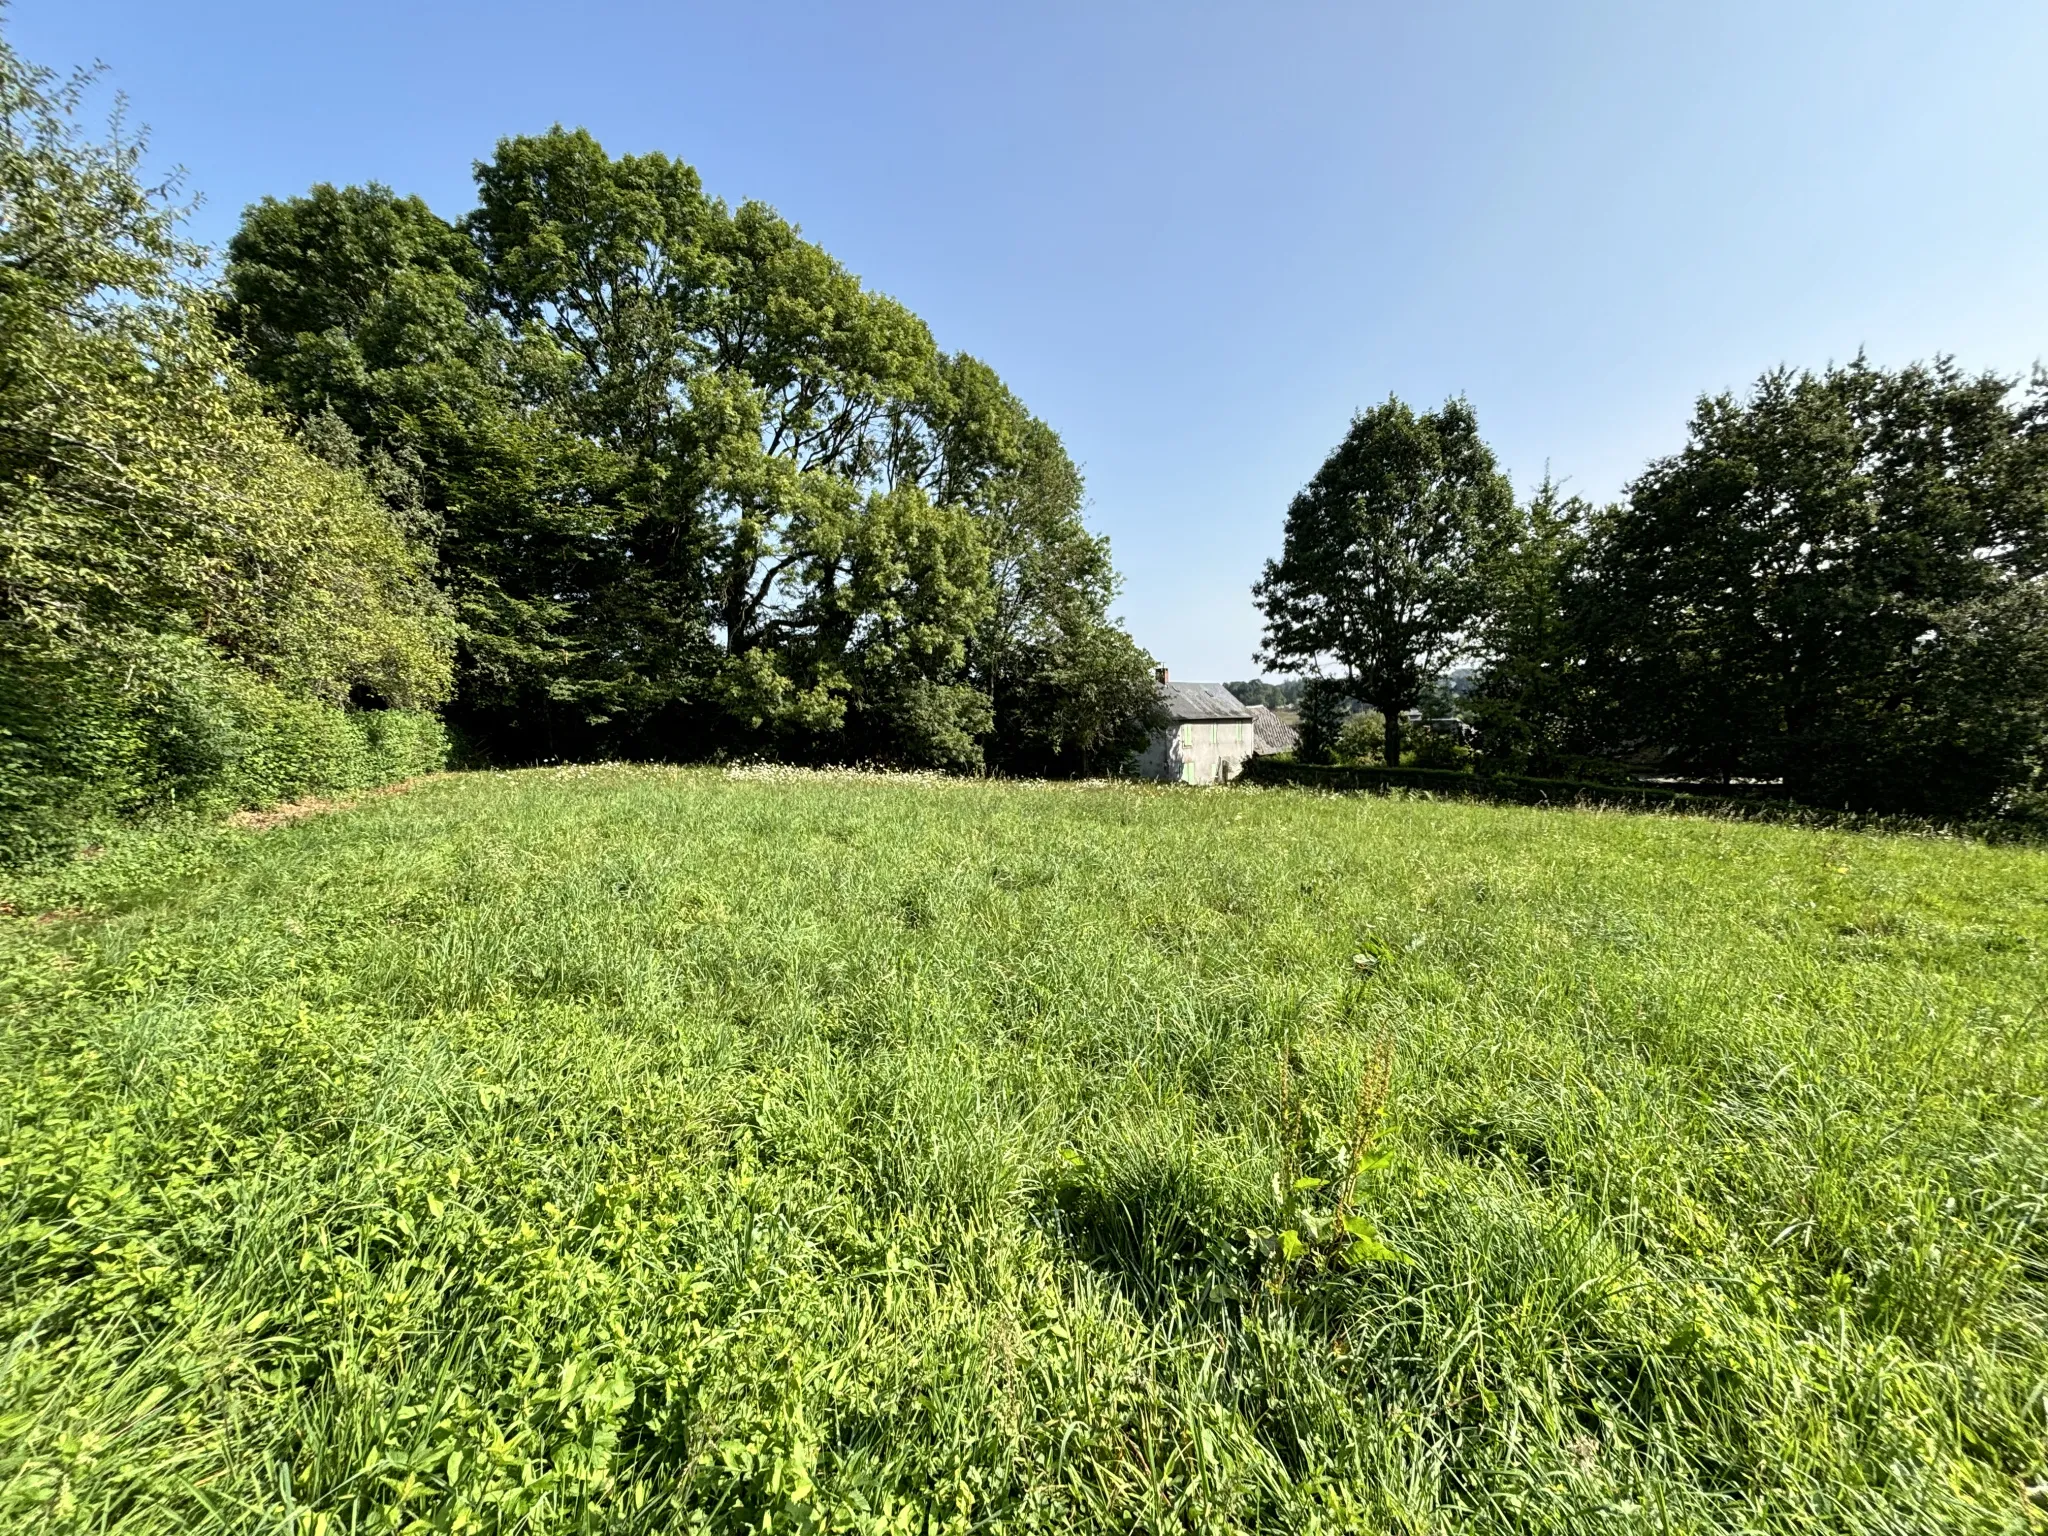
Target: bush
163,724
402,743
191,595
1363,739
70,752
1439,749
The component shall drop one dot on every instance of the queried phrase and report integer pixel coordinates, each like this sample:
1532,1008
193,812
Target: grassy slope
618,1148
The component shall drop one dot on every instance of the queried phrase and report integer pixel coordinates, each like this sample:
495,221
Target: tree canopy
1836,592
1382,572
1838,585
697,489
179,570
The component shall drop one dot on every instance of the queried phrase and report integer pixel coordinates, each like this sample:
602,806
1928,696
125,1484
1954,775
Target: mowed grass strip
636,1149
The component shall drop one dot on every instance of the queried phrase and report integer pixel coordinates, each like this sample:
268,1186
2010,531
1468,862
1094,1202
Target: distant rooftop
1270,733
1200,701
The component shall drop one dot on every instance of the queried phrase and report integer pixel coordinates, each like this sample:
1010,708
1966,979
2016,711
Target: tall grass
641,1150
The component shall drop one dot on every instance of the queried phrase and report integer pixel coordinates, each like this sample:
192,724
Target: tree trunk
1392,720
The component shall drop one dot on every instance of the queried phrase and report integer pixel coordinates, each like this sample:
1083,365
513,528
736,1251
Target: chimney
1160,674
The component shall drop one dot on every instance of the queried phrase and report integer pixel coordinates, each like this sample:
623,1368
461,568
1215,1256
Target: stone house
1207,739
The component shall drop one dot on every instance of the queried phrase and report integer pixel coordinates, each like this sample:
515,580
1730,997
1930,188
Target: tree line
1836,590
693,488
190,598
602,468
608,468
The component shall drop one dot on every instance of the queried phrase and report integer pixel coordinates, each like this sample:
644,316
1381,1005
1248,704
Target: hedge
166,726
1516,789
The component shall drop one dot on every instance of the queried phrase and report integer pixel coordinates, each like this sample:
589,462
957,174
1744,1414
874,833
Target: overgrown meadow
633,1149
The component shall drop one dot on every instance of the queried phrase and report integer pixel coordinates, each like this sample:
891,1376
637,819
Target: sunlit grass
639,1149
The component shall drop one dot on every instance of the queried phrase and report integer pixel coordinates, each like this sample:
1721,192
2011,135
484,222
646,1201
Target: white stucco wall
1199,752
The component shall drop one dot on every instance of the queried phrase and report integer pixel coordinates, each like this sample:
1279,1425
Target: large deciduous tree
1383,568
1531,700
1838,584
360,303
699,489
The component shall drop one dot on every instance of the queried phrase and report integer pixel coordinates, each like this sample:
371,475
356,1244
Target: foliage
1315,1220
163,723
887,1153
703,492
360,303
1324,708
169,556
1435,748
1838,583
1363,738
1531,701
1836,590
1386,553
1086,705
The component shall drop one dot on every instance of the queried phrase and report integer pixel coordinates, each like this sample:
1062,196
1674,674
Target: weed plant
648,1150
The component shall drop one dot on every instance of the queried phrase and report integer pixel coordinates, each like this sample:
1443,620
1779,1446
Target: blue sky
1195,238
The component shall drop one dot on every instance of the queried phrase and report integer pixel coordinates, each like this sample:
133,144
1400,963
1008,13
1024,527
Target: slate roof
1201,701
1270,733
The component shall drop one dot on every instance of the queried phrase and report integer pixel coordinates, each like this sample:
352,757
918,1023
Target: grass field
614,1149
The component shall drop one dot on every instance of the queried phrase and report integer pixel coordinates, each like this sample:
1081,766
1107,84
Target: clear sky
1197,237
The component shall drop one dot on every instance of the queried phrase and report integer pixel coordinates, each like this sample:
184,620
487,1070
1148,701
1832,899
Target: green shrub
1363,739
162,724
402,743
1438,749
69,750
191,595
